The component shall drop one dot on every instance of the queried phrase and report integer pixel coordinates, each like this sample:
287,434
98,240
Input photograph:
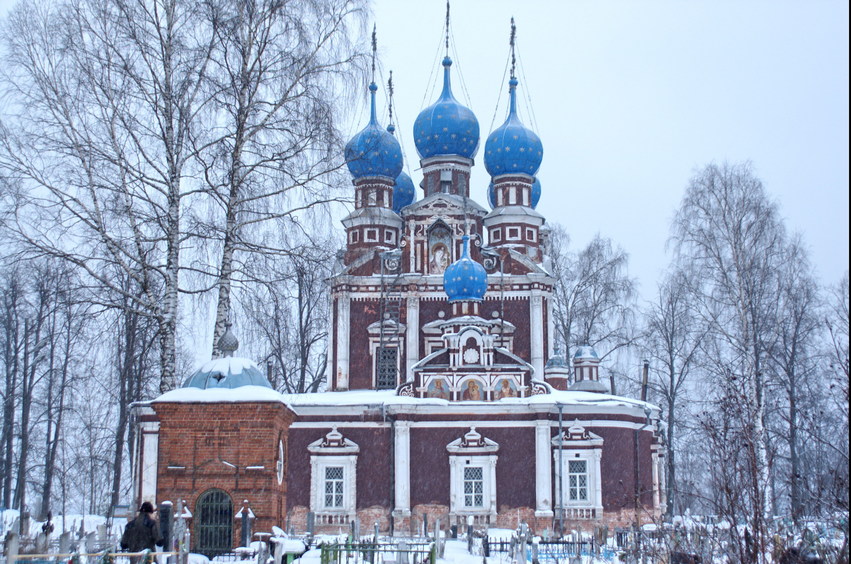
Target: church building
445,398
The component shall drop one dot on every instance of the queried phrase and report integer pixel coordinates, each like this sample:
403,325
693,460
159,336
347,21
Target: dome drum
373,191
449,179
513,190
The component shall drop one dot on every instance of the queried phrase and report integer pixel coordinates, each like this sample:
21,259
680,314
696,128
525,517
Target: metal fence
378,553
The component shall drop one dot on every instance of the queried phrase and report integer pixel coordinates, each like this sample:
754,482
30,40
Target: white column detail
343,329
412,337
402,447
536,333
598,480
149,462
543,471
551,330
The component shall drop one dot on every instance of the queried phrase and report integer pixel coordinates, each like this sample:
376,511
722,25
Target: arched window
213,523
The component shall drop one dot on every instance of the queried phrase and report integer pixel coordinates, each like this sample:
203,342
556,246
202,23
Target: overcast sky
629,98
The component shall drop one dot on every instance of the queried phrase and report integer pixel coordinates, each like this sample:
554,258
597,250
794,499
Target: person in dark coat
143,532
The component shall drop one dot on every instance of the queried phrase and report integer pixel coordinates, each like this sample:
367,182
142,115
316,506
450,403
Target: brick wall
203,446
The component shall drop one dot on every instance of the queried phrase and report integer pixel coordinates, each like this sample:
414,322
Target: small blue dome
536,192
491,196
227,372
373,151
556,361
446,127
585,352
512,147
404,193
465,279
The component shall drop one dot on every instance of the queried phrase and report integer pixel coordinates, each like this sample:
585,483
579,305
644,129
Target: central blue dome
512,147
373,151
465,279
446,127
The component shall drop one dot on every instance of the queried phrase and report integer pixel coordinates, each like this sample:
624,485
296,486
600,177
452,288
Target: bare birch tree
279,72
729,232
673,339
288,313
794,356
105,98
593,297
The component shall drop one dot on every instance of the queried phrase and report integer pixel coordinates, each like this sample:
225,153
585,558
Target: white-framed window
474,487
530,235
371,235
513,233
390,236
496,234
333,477
333,487
472,480
577,455
577,480
354,236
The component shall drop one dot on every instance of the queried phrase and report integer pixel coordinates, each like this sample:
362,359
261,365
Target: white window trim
530,235
371,236
354,236
496,234
390,236
509,236
579,444
329,451
471,451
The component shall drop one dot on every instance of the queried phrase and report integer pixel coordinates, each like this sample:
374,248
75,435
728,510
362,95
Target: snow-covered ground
78,525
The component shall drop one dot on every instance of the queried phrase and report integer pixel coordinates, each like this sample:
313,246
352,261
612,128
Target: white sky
631,97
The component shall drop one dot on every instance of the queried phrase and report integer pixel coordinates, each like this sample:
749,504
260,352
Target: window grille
334,487
473,486
386,367
577,476
214,525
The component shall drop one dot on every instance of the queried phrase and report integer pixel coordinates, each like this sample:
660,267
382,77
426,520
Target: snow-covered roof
388,399
228,372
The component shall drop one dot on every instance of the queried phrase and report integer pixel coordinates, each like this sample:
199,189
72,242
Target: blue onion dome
536,193
403,192
373,151
465,279
446,127
512,147
491,196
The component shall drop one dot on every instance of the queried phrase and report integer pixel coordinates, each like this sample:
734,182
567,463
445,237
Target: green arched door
213,523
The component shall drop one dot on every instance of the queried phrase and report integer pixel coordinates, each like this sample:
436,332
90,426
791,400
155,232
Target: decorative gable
472,443
333,443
